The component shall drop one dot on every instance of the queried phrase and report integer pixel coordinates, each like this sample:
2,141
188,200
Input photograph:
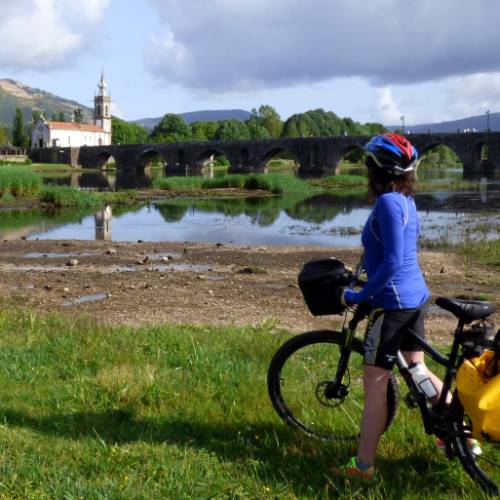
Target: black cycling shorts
387,333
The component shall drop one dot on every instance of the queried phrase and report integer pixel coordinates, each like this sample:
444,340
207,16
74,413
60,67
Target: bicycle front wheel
299,379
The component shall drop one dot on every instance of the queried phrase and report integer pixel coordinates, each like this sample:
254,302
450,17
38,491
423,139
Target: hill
201,116
14,94
479,123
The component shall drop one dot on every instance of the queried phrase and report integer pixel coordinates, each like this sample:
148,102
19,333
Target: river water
322,220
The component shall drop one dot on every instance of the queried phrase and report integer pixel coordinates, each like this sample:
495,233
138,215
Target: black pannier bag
320,281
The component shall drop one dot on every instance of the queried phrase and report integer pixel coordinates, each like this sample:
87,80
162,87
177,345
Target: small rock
111,251
65,290
48,287
201,277
72,262
86,285
166,258
139,262
210,292
131,287
219,245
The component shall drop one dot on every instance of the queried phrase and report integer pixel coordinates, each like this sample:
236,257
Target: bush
18,181
64,196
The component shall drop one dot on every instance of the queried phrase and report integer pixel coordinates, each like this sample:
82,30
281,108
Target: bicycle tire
484,469
313,350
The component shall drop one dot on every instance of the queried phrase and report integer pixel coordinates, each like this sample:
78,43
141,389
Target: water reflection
103,224
323,219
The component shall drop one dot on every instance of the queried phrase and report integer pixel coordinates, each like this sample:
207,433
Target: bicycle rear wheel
484,468
298,379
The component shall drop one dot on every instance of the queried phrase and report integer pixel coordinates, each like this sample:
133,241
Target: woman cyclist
395,288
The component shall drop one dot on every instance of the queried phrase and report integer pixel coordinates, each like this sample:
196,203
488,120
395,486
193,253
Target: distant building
47,134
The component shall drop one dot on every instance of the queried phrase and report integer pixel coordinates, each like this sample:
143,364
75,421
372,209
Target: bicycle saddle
466,310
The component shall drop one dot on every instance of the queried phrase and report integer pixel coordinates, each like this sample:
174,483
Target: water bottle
421,378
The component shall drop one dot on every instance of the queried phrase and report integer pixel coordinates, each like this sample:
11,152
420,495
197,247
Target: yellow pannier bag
479,393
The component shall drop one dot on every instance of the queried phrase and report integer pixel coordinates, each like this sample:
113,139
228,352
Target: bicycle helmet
392,152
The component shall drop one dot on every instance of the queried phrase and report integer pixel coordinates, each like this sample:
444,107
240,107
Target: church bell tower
102,107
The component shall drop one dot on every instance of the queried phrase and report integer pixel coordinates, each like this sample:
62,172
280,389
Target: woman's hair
381,181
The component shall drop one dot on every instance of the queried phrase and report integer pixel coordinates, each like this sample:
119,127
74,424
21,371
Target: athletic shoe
351,469
473,445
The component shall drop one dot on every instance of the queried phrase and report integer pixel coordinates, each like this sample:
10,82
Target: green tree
128,133
4,136
171,128
36,115
78,115
255,128
268,118
232,130
19,137
203,131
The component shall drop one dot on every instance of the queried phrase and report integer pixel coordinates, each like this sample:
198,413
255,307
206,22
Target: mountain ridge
15,94
476,123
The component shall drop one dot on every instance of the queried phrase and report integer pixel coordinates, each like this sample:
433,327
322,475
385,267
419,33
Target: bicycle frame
432,416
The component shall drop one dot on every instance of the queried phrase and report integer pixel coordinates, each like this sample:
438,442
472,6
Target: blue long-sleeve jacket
389,238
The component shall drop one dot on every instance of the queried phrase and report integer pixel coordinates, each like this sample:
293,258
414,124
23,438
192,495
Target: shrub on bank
273,183
18,181
64,196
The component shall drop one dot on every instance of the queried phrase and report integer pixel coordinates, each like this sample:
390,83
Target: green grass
273,183
89,411
482,252
18,181
65,196
452,185
51,167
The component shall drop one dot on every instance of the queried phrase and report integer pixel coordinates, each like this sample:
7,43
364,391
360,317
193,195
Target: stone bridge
316,156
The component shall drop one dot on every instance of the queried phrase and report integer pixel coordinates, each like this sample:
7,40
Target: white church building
46,134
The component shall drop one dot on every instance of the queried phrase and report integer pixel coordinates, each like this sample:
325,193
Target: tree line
263,123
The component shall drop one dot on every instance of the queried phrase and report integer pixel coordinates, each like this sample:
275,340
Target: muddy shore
147,283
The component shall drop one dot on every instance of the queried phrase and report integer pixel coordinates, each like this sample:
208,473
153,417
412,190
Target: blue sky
373,61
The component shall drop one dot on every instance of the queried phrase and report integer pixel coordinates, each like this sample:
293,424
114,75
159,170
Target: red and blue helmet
392,152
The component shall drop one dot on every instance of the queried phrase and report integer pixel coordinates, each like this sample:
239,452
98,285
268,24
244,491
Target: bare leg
374,412
418,357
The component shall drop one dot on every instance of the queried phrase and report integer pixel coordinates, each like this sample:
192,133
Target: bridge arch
105,159
433,153
207,156
150,158
281,151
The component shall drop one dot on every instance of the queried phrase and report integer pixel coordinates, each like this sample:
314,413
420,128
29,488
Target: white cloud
472,95
227,45
46,34
388,111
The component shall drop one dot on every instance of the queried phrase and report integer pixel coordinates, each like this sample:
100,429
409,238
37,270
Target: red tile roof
74,126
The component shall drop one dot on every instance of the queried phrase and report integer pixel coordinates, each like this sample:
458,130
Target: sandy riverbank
144,283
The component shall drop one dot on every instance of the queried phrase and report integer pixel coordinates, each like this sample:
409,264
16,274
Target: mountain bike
315,383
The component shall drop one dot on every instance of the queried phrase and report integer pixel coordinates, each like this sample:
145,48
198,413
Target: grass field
175,412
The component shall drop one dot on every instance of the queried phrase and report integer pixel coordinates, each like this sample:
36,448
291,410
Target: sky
372,60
